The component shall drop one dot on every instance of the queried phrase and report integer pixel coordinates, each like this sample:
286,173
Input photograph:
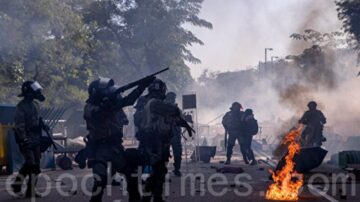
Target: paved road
200,183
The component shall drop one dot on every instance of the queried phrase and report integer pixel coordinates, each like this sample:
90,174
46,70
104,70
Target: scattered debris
261,168
230,169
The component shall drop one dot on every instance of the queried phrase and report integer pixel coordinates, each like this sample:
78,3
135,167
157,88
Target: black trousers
245,146
31,168
107,153
177,151
155,149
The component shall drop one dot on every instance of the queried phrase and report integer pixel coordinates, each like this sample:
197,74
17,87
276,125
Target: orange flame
285,187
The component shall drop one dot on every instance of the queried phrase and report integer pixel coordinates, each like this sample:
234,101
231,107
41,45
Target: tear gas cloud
281,91
243,28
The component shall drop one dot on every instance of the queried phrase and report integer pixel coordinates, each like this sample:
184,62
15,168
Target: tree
65,43
349,14
44,41
149,34
335,39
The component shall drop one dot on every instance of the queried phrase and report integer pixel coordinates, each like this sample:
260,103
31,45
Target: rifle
186,125
137,82
44,127
226,139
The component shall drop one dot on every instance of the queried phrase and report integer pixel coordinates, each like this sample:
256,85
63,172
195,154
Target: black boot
133,189
146,199
159,199
30,190
32,194
253,162
19,180
97,197
17,184
16,188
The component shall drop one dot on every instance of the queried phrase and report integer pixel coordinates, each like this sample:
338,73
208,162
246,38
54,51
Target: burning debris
287,181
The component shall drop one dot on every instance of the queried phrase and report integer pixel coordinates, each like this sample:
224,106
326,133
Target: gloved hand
147,81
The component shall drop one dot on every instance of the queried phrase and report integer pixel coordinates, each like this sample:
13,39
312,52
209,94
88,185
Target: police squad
158,121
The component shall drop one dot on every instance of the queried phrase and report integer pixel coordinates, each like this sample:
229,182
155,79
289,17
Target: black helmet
100,87
236,106
312,105
157,87
171,95
32,89
248,111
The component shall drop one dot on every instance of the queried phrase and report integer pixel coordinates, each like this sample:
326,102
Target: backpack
154,122
252,126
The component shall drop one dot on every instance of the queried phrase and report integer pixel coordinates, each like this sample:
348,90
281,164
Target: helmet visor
36,86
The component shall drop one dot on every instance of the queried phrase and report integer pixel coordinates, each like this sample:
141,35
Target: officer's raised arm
131,98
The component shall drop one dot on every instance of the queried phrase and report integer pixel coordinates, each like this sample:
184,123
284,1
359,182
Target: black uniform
312,135
155,121
27,134
250,129
105,141
232,122
177,149
155,144
176,139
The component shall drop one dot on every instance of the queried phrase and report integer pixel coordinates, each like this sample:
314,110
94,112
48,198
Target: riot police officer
233,124
105,134
251,128
27,134
155,125
176,139
314,119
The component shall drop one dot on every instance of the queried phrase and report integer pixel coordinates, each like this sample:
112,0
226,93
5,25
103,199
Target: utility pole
266,50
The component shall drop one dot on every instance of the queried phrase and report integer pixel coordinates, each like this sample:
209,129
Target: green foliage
147,35
328,40
65,43
45,41
349,13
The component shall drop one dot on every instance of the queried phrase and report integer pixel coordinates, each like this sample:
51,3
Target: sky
243,28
